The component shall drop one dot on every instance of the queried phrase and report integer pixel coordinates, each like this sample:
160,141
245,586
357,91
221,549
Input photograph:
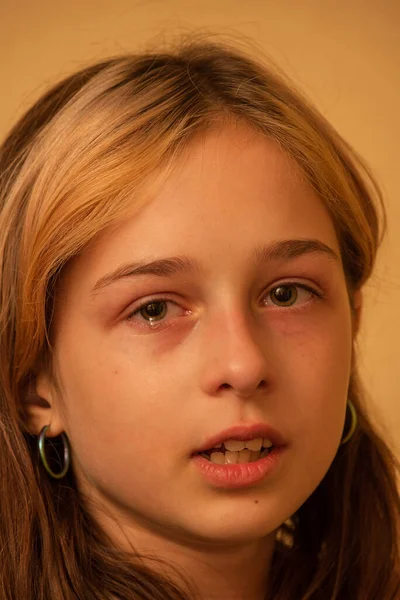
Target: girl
184,241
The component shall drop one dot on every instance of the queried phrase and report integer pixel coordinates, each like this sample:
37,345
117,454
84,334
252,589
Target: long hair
81,158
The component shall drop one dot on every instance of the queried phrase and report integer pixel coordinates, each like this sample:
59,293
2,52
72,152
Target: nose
235,356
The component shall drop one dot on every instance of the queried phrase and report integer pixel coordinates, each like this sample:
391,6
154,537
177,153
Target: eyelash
157,324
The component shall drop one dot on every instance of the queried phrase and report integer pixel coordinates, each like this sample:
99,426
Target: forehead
231,190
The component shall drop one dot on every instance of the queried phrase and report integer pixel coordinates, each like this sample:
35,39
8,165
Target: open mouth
238,453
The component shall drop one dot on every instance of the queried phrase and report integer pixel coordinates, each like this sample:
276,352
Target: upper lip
244,432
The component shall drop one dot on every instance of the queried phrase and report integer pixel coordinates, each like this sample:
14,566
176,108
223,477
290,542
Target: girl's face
227,347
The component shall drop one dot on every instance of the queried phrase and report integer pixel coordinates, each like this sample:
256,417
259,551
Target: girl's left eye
284,295
291,294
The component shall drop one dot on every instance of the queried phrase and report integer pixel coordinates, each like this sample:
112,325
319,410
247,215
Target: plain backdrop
344,54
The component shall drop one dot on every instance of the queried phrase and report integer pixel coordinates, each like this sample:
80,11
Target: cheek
316,377
117,408
117,430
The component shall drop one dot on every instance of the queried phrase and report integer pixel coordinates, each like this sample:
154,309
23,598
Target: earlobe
39,407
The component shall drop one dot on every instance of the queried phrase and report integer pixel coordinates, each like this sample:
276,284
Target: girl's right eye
152,311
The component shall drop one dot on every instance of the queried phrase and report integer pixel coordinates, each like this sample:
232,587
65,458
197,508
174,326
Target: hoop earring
353,423
67,459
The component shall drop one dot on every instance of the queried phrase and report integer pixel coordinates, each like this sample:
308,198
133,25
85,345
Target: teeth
235,445
231,458
255,455
238,445
254,444
218,458
244,456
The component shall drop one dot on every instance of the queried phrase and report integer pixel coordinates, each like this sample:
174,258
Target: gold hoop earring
67,458
353,423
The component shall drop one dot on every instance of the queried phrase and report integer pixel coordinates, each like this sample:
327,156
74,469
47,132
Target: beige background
345,54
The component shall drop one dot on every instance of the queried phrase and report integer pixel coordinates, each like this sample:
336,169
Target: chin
236,525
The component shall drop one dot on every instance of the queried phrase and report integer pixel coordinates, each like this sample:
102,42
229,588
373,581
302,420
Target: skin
137,401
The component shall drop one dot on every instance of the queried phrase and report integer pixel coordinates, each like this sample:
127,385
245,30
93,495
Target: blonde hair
84,155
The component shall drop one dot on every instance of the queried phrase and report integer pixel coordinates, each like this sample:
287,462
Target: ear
357,301
39,406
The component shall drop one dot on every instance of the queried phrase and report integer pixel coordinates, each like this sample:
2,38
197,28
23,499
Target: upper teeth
238,445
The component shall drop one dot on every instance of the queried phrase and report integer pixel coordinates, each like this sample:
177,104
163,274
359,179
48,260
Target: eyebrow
168,267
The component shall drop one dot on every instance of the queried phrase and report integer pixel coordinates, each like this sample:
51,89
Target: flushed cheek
317,365
316,406
318,411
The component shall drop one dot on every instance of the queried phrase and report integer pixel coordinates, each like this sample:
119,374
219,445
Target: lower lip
242,474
